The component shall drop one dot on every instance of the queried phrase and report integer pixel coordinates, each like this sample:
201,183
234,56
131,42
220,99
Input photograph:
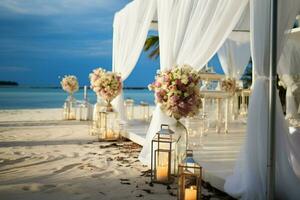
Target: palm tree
247,76
152,46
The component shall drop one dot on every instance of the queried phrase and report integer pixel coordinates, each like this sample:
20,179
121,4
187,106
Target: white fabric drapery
130,30
288,67
190,32
249,178
290,59
234,57
292,84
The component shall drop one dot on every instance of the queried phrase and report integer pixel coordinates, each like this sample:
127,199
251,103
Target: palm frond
152,45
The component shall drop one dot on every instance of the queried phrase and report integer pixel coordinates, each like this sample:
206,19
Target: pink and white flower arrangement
228,85
69,84
177,91
106,84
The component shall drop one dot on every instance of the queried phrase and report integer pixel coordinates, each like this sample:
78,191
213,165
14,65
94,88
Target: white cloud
53,7
82,48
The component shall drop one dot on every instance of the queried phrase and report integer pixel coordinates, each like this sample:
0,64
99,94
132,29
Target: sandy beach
43,157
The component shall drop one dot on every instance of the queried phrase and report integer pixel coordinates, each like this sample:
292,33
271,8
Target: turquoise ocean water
27,97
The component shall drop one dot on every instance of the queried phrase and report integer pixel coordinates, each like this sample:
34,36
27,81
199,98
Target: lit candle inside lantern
190,193
110,134
162,173
85,93
72,115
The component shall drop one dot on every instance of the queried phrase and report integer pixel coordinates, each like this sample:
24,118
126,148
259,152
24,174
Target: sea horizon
38,97
59,86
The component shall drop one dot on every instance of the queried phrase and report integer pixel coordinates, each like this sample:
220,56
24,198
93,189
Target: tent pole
272,104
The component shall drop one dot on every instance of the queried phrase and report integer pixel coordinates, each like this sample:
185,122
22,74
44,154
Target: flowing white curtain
130,29
234,57
209,25
249,178
290,59
190,32
288,68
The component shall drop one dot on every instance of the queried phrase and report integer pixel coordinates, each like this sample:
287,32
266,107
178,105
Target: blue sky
41,40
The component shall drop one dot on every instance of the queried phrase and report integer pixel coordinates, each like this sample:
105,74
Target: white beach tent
192,31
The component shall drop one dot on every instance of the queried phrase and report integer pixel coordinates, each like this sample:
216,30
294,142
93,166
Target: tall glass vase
69,112
109,107
99,106
181,137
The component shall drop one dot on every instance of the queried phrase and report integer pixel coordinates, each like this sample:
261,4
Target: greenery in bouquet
106,84
69,84
177,91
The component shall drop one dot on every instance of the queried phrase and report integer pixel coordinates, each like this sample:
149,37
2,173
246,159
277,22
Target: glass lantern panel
145,111
180,144
129,107
162,165
69,112
82,112
109,126
163,142
189,186
112,125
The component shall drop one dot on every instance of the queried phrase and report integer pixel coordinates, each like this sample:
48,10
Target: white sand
42,157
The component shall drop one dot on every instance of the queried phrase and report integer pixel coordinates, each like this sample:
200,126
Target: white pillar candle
85,93
190,193
162,173
110,134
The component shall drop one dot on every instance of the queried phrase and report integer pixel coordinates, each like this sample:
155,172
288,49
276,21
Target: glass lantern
189,179
108,126
84,111
99,106
129,105
144,110
162,156
69,109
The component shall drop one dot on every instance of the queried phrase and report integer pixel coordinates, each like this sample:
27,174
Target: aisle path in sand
43,157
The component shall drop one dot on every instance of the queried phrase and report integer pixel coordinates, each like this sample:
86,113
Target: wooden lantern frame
189,179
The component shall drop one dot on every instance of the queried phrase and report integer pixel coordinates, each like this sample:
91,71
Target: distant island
8,83
135,88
